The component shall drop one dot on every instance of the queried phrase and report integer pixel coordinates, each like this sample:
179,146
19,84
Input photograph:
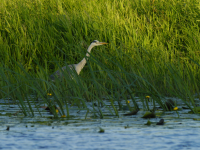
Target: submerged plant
101,130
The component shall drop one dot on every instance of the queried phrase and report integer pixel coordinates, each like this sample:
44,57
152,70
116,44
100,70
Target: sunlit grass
153,50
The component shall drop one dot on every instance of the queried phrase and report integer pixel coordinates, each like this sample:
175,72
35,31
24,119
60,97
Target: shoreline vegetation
154,49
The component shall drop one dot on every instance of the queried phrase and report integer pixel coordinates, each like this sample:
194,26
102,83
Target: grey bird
76,67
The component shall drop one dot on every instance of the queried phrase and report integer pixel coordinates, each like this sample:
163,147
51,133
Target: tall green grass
153,50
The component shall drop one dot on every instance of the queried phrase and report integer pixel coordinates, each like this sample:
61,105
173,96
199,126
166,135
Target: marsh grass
153,50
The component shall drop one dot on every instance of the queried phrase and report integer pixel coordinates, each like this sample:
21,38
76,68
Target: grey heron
76,67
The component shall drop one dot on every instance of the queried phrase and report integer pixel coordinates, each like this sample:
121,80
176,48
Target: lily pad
149,115
148,123
134,112
197,108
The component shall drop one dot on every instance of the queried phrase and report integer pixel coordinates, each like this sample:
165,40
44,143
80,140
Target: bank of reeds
153,50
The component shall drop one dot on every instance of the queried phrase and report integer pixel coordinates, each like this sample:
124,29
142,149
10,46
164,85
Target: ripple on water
132,138
176,133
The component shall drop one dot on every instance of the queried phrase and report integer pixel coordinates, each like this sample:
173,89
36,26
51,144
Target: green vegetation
153,50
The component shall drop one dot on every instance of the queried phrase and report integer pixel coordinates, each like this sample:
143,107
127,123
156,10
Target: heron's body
76,67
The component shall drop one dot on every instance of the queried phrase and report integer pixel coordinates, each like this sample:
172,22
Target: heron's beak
102,43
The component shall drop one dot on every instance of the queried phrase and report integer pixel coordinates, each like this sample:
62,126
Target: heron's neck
82,63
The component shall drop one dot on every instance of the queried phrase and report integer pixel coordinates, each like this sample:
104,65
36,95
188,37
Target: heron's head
97,43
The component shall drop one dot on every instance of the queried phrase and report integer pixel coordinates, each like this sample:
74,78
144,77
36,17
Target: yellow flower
56,110
49,94
147,96
128,101
175,108
63,116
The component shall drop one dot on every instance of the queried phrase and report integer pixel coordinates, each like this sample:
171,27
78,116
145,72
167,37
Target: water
125,132
87,137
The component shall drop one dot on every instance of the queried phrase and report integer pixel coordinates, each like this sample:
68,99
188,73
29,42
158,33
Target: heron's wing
59,74
56,74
